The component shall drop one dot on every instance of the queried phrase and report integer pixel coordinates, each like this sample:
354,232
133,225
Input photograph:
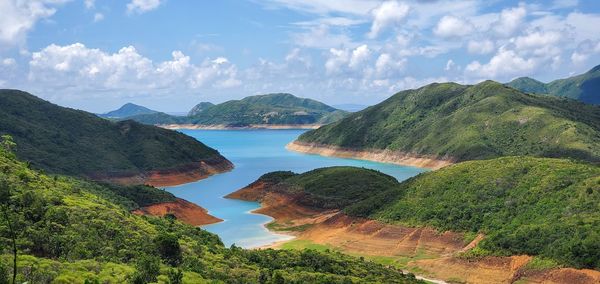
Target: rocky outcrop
183,210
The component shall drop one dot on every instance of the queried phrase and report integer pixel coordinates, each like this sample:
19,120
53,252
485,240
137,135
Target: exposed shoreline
434,255
172,177
382,156
185,211
229,127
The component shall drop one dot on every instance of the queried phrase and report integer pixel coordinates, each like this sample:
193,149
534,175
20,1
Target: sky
169,55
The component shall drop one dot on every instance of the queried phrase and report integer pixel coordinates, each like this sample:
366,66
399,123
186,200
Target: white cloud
359,56
98,17
19,17
453,27
89,4
387,14
77,66
510,20
562,4
9,62
450,65
337,59
142,6
387,66
480,46
505,63
321,37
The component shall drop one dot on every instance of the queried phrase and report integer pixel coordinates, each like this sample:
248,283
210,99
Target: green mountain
73,142
128,110
262,109
523,205
199,108
67,230
458,122
584,87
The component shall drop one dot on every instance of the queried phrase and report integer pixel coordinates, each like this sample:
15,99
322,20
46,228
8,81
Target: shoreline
172,177
185,211
381,156
248,127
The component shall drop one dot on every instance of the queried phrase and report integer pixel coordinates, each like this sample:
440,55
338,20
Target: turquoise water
255,152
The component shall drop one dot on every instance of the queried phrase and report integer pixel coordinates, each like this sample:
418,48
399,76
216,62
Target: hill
72,231
73,142
128,110
584,87
522,205
271,109
450,122
199,108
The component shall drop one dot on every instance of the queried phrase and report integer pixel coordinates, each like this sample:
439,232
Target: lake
255,152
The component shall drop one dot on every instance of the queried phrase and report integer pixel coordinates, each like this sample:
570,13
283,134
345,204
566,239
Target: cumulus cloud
77,66
453,27
19,17
142,6
480,46
98,17
387,14
359,56
505,63
510,20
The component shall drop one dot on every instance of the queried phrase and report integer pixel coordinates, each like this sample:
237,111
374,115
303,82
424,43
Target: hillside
73,142
128,110
452,122
199,108
271,109
72,231
523,205
584,87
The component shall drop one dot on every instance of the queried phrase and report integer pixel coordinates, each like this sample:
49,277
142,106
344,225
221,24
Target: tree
147,269
5,199
168,248
175,276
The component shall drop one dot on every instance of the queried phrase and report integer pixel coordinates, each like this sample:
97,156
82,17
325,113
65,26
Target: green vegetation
262,109
128,110
584,87
68,231
538,206
73,142
197,109
459,122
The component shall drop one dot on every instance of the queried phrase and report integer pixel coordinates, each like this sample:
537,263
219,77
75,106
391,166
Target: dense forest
73,142
584,87
460,122
65,230
524,205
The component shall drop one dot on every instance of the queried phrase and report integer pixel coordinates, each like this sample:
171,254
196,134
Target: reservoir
256,152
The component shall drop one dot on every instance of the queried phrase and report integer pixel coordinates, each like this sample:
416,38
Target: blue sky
170,54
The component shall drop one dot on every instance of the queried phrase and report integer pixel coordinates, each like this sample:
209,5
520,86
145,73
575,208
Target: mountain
73,142
452,122
584,87
128,110
268,109
523,205
199,108
255,110
74,231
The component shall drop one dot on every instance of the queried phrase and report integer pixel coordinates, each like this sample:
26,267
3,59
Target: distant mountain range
270,109
584,87
67,141
466,122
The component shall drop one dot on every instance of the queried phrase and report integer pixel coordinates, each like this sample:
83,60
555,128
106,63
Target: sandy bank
431,253
229,127
185,211
383,156
180,175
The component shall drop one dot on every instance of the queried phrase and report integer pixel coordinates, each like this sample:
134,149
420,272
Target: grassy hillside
128,110
268,109
469,122
262,109
584,87
199,108
67,141
524,205
67,232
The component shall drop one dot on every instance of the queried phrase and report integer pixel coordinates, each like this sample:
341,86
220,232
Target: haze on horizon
169,55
